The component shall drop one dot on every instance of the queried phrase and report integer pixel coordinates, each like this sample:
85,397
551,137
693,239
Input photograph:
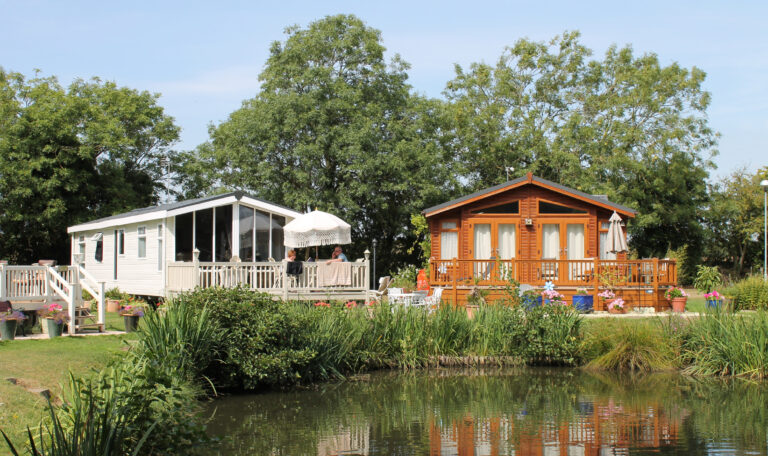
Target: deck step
96,326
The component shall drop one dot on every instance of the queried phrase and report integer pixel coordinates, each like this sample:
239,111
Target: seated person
337,256
295,268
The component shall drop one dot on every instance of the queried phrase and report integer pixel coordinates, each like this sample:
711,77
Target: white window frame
139,237
160,247
120,241
81,245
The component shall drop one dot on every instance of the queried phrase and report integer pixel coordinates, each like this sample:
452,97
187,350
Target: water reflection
498,412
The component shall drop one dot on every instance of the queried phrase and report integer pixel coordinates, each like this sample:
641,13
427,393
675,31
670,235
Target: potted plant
552,297
131,314
52,320
8,322
677,297
583,301
530,299
714,299
114,299
617,306
606,296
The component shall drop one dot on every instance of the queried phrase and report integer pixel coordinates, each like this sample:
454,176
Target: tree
734,221
72,155
335,127
624,126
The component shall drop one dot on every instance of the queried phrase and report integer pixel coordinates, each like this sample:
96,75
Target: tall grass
721,343
632,346
749,294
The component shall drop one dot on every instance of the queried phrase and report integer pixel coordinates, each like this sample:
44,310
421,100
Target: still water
498,412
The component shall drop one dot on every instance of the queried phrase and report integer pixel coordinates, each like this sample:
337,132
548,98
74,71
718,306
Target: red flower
322,304
350,304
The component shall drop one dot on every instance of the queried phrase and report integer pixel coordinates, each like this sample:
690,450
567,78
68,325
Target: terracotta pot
678,304
113,305
616,310
471,309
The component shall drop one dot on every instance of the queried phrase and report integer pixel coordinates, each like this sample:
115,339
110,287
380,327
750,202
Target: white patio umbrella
317,228
616,240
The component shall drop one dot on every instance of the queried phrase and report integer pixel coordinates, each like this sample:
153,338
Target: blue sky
205,57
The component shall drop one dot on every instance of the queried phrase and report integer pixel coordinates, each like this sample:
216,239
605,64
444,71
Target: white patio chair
395,295
433,302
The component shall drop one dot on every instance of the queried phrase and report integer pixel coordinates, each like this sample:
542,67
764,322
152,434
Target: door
492,240
562,240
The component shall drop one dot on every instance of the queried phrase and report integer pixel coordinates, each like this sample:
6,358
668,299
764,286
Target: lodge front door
561,240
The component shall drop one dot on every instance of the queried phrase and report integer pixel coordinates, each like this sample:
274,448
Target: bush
405,277
707,279
634,346
749,294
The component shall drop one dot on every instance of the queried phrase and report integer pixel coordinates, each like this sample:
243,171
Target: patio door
561,240
492,240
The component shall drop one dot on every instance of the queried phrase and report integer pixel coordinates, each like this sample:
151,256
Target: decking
269,277
639,282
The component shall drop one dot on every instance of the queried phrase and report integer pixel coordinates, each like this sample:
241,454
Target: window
81,246
604,253
552,208
204,234
262,236
223,233
160,247
184,236
98,254
121,242
278,249
246,233
506,208
449,240
142,237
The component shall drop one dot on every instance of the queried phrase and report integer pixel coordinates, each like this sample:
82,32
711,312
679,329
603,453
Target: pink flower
607,294
616,303
350,304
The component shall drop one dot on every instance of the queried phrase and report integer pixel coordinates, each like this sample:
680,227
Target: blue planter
583,303
529,302
713,303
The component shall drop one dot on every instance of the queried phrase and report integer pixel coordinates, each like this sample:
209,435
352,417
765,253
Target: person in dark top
294,267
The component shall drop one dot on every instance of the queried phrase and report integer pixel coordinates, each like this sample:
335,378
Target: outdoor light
764,184
374,264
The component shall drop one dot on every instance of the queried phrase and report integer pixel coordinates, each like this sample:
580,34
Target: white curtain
449,245
550,237
604,253
575,234
507,241
482,241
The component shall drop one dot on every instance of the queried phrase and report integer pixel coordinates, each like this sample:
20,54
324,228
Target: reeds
632,346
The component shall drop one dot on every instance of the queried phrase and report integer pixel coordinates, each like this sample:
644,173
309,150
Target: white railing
270,277
42,285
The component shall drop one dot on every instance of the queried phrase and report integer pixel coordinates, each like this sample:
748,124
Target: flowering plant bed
54,312
675,292
714,299
132,311
617,306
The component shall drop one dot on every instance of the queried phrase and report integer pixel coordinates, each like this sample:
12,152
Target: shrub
264,343
707,278
405,277
749,294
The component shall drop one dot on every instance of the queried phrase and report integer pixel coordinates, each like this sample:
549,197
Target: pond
497,412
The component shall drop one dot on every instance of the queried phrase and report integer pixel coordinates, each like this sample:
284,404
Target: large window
184,235
552,208
204,234
604,253
121,242
506,208
223,233
246,233
98,253
278,249
262,236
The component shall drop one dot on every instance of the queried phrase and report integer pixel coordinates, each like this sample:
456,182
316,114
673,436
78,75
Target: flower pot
678,304
616,310
713,304
52,328
113,305
583,303
8,329
471,309
131,322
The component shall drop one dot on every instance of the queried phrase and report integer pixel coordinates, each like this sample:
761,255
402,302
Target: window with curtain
449,240
482,244
550,241
507,241
604,253
575,234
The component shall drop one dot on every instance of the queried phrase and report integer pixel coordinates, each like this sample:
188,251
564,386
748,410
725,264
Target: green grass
44,364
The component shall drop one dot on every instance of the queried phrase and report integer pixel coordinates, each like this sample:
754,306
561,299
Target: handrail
60,286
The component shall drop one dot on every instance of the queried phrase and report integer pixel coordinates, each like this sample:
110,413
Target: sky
204,58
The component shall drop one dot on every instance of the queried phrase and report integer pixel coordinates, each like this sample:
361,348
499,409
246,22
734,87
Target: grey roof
180,204
602,199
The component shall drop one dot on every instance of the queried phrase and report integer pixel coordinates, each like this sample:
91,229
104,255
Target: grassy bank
45,364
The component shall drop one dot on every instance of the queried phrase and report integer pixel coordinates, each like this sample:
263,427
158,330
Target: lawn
45,364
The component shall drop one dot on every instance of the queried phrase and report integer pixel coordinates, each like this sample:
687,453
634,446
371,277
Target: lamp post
374,265
764,184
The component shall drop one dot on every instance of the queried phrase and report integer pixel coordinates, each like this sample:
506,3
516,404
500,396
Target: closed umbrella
616,240
317,228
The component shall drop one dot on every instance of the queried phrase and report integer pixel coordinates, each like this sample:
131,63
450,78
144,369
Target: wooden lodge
533,230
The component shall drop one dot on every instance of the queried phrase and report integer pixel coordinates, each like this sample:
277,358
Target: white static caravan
132,251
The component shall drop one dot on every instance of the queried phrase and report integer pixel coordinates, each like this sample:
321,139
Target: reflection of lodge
602,428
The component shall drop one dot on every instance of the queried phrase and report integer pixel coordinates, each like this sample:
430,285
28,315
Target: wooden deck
269,277
639,282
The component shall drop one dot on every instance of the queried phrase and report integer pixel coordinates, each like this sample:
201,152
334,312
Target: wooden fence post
367,254
102,301
455,281
596,284
656,284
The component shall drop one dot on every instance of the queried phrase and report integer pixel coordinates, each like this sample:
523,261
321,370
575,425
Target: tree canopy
72,155
624,126
336,127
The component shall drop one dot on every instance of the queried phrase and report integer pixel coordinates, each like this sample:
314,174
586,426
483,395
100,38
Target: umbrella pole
316,256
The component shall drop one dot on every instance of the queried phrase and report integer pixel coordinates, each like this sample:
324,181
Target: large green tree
623,125
734,221
68,155
336,127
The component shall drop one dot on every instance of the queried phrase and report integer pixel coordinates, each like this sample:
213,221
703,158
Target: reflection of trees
406,413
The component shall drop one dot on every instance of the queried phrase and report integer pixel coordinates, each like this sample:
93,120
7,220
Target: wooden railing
269,277
567,273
